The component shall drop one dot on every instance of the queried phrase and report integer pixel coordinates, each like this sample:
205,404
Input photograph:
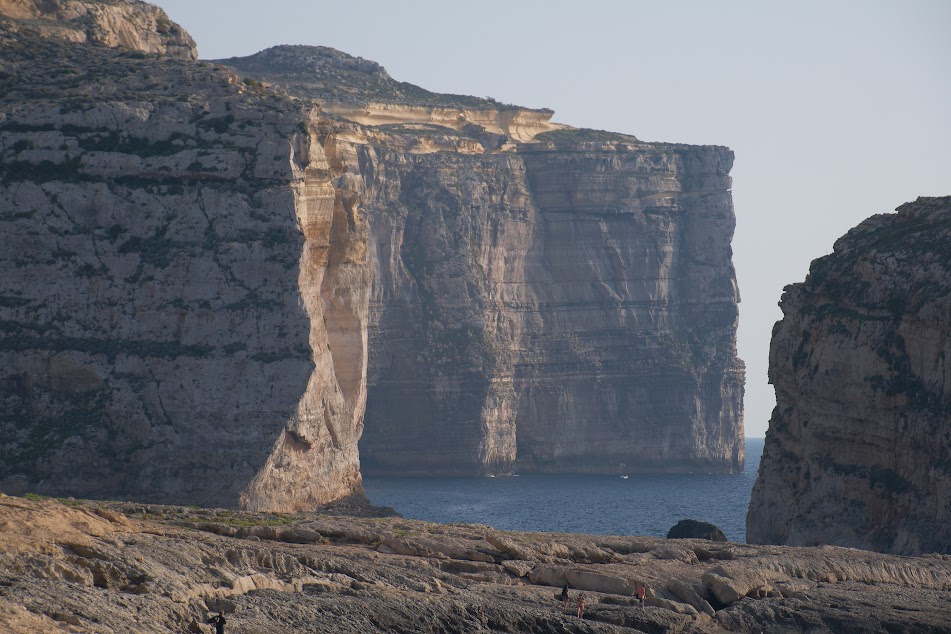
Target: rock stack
858,451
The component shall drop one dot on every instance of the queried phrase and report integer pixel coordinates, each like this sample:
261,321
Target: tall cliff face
858,451
184,292
543,298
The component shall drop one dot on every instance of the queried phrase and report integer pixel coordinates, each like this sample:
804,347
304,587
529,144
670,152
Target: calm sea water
598,504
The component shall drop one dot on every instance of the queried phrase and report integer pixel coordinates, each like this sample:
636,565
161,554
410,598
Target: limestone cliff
184,290
858,451
362,91
128,24
543,298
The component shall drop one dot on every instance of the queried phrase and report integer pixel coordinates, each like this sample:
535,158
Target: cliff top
919,215
916,236
324,73
126,24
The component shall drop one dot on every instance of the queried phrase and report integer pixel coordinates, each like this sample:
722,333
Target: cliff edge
543,298
858,451
184,292
128,24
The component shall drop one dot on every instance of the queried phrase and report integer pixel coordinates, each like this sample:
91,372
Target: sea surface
597,504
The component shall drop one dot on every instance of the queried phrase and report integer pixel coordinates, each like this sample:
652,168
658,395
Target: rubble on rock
105,566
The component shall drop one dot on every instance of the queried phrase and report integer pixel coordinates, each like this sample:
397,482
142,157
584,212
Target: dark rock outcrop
544,299
183,291
693,529
858,451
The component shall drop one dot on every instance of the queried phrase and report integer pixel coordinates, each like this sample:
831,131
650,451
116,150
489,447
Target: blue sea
598,504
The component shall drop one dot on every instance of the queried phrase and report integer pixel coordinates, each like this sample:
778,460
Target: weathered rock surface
183,297
557,301
78,566
858,451
128,24
193,253
361,90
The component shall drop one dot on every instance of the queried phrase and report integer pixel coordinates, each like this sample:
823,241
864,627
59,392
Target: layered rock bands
858,447
184,292
196,266
543,298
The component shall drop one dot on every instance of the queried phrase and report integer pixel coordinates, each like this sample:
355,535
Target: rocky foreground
79,566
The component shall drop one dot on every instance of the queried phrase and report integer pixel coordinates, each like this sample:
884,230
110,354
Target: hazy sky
836,110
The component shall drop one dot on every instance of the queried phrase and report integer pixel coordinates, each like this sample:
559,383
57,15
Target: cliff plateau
183,297
858,451
543,298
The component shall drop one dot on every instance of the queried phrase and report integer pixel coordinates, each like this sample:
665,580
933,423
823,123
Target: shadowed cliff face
565,304
628,324
858,451
183,298
559,309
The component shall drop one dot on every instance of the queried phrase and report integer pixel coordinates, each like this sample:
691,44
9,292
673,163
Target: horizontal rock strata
554,301
89,566
858,451
184,290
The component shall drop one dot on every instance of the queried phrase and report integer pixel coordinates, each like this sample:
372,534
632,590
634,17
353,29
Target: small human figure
564,597
581,606
219,622
642,593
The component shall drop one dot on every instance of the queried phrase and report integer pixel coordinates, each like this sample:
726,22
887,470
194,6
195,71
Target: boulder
510,548
677,553
729,585
690,596
694,529
667,604
518,568
583,579
548,576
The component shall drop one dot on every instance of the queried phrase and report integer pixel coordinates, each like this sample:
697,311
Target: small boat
624,477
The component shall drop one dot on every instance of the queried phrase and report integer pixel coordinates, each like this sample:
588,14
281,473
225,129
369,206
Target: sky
836,110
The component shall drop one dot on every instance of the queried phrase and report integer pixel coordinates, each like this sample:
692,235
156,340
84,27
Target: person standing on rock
642,593
219,622
564,597
581,606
